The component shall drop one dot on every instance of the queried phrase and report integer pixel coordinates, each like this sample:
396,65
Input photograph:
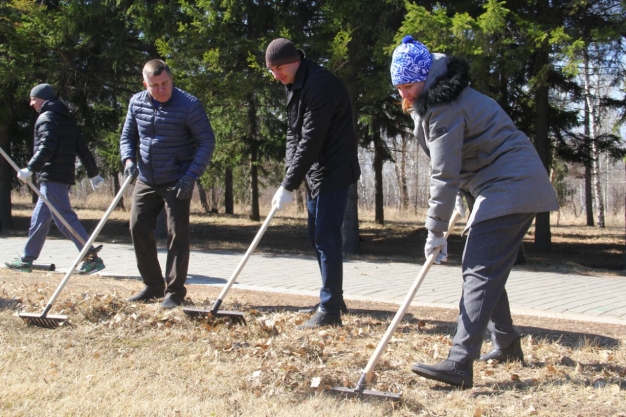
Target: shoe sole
145,299
92,271
25,269
448,379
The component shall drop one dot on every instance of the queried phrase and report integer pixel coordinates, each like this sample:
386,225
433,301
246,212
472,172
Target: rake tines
235,317
39,320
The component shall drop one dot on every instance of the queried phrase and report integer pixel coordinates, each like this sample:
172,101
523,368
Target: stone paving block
593,298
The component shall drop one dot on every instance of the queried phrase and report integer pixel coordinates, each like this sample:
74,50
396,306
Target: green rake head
40,320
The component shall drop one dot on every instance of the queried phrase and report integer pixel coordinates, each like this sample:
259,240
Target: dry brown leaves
269,361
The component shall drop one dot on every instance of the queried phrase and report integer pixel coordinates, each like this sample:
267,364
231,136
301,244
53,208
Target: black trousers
148,201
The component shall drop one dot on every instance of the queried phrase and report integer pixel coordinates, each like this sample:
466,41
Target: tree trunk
229,200
254,186
6,178
400,171
350,227
300,199
597,187
254,151
378,174
203,200
116,189
543,237
215,206
590,102
624,256
588,192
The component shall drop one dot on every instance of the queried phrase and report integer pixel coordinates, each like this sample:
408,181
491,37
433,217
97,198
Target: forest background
556,67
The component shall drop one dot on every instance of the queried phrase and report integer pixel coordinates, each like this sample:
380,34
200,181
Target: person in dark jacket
476,150
321,147
57,143
167,141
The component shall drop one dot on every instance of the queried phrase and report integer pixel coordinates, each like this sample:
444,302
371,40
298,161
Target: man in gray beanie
57,143
321,147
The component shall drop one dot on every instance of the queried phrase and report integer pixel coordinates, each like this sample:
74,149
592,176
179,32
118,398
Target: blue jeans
324,231
58,195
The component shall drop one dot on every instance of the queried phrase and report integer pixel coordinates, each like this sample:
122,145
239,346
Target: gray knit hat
281,51
43,91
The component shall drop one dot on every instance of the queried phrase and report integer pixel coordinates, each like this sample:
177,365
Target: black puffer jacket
57,143
321,143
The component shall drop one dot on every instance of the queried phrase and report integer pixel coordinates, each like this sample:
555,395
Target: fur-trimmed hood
446,80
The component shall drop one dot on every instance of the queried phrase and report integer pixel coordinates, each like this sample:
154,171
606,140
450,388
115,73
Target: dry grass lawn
117,358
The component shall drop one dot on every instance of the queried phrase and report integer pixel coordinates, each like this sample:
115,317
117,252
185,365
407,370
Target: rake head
355,392
235,316
40,320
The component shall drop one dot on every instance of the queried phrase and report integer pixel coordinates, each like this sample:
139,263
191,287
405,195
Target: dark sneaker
513,353
91,266
20,265
313,309
147,294
450,372
171,302
319,319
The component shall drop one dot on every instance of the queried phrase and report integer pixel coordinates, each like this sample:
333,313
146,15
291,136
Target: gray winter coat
173,140
475,147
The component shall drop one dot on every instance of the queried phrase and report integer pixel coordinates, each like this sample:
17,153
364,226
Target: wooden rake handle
44,199
367,371
87,246
244,260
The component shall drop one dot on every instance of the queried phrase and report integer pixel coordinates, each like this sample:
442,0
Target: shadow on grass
411,323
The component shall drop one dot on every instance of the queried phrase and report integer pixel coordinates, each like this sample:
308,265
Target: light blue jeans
58,195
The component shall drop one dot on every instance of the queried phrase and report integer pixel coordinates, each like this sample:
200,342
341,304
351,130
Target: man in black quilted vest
57,143
167,143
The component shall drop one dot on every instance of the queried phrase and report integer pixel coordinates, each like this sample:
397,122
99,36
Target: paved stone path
596,298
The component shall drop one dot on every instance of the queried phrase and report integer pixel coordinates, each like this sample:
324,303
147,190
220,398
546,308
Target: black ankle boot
450,372
512,353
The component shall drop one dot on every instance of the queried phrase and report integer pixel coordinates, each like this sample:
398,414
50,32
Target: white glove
96,181
282,198
433,241
24,174
459,206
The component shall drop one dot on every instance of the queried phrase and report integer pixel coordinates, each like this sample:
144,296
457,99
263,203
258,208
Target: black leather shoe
319,319
512,353
313,309
171,302
147,294
450,372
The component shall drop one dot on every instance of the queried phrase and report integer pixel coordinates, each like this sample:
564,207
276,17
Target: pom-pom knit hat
43,91
410,63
